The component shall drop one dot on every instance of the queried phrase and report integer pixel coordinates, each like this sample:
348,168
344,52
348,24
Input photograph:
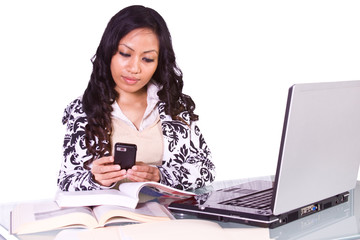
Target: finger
104,160
110,178
148,174
137,178
108,182
101,169
111,175
104,165
141,168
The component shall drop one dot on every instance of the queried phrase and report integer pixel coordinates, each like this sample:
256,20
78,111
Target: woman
135,96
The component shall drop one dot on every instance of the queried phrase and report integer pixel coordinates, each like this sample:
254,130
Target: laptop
318,162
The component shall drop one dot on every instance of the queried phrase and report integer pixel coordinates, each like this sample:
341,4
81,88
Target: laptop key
261,200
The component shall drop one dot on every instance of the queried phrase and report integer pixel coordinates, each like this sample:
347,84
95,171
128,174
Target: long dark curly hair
100,93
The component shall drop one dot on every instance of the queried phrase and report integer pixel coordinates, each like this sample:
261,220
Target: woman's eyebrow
126,46
152,51
134,50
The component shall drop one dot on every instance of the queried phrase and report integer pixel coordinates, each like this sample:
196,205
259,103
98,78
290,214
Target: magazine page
95,198
133,189
145,212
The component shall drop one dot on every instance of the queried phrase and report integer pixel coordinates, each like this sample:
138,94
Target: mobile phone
125,155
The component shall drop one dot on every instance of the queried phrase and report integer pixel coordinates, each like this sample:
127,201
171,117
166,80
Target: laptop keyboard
260,200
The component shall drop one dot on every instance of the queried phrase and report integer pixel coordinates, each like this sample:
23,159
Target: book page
174,230
108,233
95,198
145,212
184,229
24,213
47,215
190,229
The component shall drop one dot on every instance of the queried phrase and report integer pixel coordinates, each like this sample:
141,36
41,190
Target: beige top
149,141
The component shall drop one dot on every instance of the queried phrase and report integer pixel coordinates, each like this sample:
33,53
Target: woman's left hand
142,172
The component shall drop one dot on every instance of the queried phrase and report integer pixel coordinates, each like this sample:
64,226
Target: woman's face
136,60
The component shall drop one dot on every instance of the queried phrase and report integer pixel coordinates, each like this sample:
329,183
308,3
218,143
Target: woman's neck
133,105
133,98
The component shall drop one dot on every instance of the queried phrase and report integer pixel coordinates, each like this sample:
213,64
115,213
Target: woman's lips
130,80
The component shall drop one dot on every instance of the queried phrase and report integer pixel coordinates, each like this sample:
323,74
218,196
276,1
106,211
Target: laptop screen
320,147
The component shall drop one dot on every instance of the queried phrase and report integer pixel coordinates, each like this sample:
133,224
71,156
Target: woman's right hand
106,172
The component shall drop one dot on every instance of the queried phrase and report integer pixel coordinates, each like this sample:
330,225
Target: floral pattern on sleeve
73,175
186,162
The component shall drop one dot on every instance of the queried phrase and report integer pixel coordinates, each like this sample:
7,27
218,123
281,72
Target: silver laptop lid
320,149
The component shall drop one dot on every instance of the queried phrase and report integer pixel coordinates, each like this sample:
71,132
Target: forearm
187,159
76,180
189,175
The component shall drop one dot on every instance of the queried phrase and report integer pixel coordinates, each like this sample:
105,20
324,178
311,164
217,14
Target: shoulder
183,117
73,110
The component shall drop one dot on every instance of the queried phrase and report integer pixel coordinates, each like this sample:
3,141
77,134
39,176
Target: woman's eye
148,60
124,54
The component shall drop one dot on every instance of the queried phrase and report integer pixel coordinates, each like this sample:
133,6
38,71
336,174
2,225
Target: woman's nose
134,65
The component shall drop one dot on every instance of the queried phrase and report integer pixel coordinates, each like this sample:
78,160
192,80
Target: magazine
126,196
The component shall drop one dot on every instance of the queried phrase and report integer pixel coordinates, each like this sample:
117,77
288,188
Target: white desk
340,222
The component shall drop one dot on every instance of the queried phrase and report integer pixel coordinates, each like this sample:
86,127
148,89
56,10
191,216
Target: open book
182,229
47,215
127,195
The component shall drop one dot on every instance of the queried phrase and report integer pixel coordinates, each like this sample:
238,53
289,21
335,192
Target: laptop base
253,217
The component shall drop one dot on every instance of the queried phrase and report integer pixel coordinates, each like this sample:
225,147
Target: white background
238,58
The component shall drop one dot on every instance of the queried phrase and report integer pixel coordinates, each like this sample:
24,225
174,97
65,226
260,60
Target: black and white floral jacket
186,160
